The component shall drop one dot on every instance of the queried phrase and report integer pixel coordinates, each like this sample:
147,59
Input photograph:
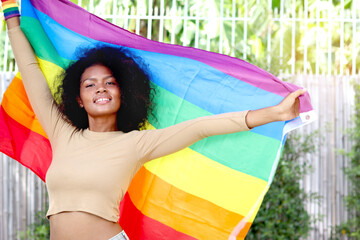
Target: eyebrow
93,79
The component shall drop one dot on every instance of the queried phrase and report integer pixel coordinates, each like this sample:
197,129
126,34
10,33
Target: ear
78,99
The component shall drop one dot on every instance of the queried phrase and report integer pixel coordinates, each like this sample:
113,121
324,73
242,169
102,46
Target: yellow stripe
51,72
7,6
207,179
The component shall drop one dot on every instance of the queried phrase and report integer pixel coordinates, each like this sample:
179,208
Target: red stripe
27,147
173,207
145,227
180,210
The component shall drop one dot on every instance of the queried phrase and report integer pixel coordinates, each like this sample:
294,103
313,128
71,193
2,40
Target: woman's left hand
288,108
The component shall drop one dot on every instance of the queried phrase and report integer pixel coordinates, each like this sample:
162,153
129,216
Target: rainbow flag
210,190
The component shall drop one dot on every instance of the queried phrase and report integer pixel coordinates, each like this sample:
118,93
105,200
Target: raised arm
156,143
33,79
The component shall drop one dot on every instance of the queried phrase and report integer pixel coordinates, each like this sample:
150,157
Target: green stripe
42,46
247,152
10,9
239,151
40,42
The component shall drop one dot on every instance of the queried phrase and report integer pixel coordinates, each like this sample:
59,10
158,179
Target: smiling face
99,92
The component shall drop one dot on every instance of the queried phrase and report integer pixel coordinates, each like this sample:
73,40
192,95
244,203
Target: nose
101,89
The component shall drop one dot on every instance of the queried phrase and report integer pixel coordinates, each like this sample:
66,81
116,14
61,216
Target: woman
97,147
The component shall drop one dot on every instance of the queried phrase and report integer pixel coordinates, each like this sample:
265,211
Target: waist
81,225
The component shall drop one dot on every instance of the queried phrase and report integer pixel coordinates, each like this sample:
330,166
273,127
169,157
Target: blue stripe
11,12
196,82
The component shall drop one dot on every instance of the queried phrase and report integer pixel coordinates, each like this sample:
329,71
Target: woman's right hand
11,13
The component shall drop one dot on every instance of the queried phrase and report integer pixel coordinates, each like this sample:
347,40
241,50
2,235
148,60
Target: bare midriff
81,226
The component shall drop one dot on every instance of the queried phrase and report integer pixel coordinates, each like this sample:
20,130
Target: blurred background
312,43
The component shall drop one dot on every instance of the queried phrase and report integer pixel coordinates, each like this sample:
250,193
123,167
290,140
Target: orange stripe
196,217
17,106
9,2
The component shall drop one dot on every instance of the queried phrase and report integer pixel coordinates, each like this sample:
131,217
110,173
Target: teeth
102,100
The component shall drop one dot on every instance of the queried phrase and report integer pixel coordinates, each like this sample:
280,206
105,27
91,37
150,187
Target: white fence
333,100
316,47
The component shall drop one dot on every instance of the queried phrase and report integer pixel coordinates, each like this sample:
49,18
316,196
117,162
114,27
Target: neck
103,124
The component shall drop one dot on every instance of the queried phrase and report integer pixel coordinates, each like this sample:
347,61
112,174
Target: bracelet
10,9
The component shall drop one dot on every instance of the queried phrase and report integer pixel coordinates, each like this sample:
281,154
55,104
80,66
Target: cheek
117,93
119,98
84,94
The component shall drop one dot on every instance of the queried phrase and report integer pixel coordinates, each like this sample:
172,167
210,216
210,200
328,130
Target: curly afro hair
131,75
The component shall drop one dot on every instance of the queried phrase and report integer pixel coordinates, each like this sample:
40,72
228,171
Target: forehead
94,71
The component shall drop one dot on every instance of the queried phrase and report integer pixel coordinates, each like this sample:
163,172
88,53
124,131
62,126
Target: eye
89,85
111,83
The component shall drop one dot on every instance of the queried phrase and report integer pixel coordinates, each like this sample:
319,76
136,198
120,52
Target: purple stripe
11,15
80,21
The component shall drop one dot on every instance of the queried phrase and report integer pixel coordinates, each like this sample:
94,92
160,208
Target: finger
301,91
298,93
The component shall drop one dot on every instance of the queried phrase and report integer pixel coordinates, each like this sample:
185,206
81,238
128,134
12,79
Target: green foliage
351,228
39,230
282,214
86,3
10,58
261,21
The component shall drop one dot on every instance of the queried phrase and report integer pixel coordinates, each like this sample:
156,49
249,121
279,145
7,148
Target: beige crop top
91,171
